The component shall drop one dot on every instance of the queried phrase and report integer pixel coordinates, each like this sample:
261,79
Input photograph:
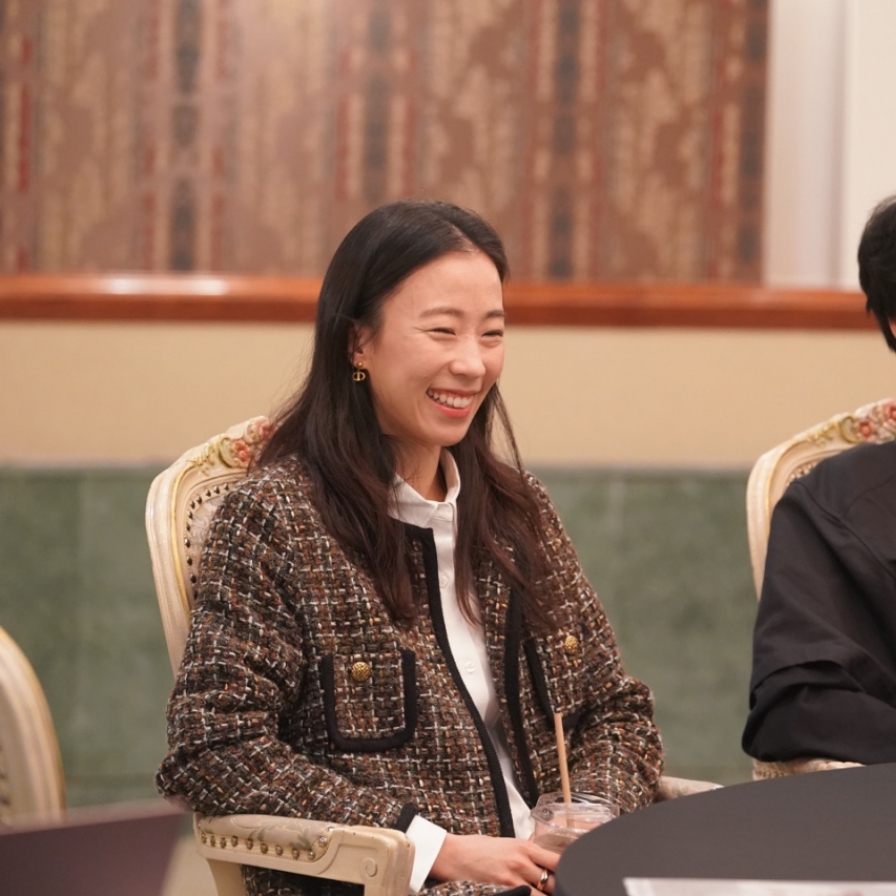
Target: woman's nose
467,360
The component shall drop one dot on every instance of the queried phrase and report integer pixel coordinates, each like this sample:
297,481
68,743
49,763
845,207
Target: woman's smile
455,401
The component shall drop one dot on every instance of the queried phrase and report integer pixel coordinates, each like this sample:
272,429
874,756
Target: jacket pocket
556,667
370,705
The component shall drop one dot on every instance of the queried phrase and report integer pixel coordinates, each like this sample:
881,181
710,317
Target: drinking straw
561,756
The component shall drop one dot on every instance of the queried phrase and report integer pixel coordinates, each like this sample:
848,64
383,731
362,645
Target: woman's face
437,351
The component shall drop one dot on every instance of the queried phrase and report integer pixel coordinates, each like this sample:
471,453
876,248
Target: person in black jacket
824,645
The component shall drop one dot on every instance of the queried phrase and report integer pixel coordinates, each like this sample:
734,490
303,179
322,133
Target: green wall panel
76,593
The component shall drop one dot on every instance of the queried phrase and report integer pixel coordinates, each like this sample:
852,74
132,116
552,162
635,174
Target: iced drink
558,824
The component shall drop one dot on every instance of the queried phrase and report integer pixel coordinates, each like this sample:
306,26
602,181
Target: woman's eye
446,330
493,334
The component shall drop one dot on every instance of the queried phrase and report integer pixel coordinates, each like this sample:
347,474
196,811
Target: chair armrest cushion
765,770
671,788
380,859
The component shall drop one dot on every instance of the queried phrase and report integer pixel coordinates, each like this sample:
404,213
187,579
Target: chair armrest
765,770
671,788
380,859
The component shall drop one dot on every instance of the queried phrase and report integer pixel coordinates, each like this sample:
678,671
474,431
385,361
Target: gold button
360,672
571,645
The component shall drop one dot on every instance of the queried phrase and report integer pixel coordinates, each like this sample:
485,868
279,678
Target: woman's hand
495,860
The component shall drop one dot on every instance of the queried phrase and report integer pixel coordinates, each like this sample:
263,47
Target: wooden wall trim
275,299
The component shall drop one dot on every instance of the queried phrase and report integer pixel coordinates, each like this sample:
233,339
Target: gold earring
359,375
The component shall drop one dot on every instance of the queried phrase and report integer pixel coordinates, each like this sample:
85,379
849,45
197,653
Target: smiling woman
388,615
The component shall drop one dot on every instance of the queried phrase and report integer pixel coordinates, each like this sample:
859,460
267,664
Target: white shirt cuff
427,839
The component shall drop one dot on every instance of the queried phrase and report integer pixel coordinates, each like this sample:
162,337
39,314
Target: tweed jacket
298,695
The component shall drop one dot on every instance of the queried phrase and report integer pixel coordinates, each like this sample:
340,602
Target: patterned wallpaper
606,139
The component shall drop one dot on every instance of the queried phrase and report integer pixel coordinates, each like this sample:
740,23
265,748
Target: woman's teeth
451,401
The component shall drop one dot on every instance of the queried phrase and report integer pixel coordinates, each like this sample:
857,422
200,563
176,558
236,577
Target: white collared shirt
467,644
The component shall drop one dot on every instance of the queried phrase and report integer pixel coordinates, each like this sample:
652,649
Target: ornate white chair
31,779
770,476
179,509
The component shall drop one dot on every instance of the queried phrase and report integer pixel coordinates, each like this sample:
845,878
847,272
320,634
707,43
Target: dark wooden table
835,825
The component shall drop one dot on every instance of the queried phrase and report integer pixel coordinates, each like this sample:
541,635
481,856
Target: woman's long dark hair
331,423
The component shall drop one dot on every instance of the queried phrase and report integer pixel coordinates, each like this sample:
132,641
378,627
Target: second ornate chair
872,423
31,780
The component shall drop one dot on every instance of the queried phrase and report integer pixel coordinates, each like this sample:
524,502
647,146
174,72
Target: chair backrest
179,510
777,468
31,779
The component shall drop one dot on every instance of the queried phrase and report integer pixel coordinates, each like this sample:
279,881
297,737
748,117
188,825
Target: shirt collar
410,506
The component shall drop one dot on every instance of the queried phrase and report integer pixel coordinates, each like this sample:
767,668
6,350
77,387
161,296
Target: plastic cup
557,823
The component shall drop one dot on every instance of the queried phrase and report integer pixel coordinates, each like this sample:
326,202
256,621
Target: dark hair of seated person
877,266
332,426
